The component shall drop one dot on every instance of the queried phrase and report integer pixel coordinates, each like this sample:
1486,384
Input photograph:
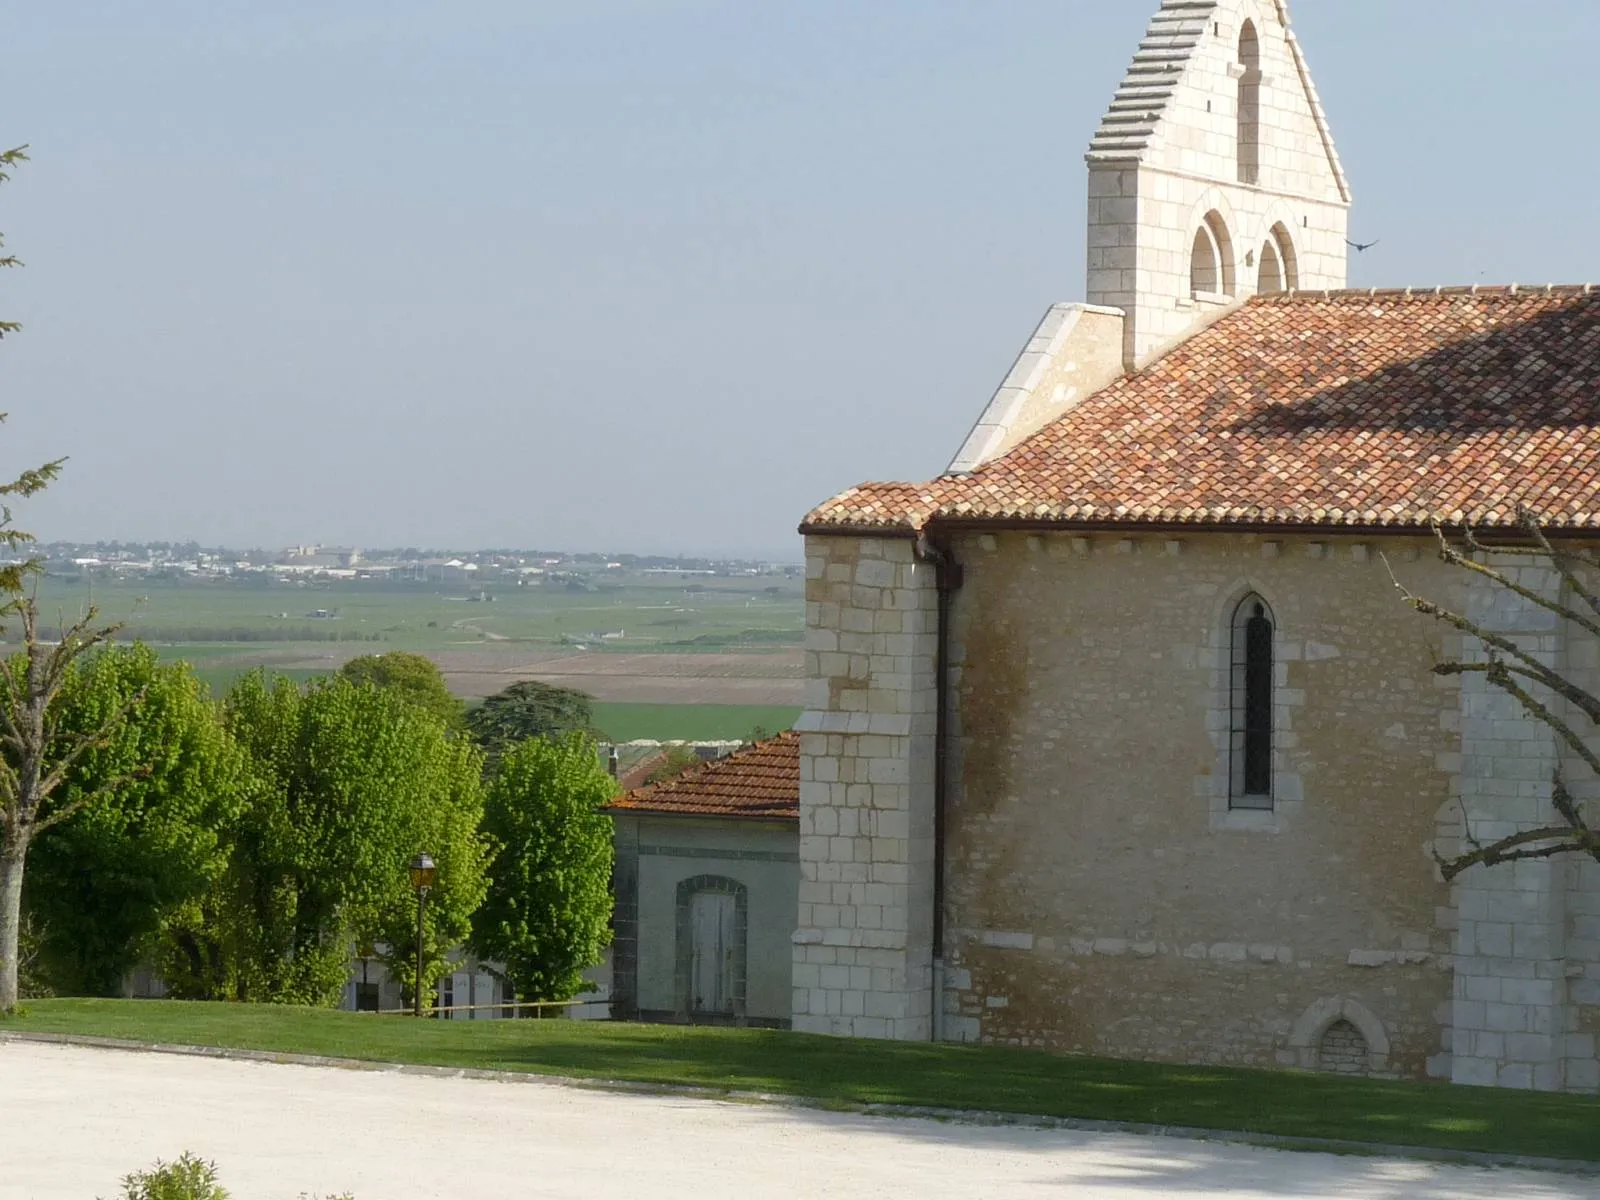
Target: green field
690,722
732,642
218,618
842,1071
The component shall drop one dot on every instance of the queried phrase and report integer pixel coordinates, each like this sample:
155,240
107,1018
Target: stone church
1118,738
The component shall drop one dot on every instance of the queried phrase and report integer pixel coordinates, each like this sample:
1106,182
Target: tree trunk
13,854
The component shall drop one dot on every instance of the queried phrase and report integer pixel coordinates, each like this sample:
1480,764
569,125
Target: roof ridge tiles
1483,291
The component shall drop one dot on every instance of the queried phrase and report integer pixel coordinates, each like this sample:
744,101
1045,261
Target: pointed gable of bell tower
1213,176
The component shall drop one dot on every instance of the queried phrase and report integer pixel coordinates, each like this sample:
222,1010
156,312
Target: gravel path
75,1120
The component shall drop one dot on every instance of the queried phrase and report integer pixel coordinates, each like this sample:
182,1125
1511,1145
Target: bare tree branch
1501,678
1536,670
1506,850
1562,560
1456,559
1515,671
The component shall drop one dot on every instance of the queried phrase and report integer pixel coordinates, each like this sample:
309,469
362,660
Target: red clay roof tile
1317,409
760,781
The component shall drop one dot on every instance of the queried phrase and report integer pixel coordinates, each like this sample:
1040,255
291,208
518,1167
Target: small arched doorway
713,924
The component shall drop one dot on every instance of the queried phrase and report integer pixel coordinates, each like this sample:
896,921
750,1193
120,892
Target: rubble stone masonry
1102,894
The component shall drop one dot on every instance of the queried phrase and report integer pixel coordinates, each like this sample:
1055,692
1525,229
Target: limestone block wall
1199,133
1583,979
1510,1012
1141,235
863,949
1103,898
1582,1060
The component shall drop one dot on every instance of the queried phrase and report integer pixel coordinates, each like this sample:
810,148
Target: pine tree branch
31,481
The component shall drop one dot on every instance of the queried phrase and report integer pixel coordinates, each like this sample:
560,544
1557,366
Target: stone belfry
1213,175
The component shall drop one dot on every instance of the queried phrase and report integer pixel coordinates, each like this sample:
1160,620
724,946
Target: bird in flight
1358,247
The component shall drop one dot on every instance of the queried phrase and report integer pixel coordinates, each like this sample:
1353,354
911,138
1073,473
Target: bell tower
1213,175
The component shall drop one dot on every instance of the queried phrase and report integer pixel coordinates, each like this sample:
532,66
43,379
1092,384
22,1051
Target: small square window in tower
1250,726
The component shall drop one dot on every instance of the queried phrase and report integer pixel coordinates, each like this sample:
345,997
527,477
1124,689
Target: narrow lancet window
1205,267
1251,726
1288,260
1269,279
1249,105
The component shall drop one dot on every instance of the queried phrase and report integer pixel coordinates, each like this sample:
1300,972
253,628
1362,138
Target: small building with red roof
707,881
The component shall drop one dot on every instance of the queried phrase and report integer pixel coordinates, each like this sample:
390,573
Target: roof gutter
1136,528
948,577
681,815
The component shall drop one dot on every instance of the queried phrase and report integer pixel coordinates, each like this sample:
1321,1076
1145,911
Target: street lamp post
422,873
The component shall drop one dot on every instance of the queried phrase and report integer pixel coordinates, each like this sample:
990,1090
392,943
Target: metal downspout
947,581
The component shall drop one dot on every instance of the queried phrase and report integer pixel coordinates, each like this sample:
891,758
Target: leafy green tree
413,678
102,882
548,912
348,784
36,757
526,710
678,760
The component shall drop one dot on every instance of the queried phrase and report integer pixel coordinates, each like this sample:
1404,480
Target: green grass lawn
690,722
852,1072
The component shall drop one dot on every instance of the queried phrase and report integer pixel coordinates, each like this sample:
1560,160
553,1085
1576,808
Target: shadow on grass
1028,1082
844,1073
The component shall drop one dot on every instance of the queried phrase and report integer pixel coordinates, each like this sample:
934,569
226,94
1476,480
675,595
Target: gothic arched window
1211,258
1288,260
1250,727
1249,148
1269,278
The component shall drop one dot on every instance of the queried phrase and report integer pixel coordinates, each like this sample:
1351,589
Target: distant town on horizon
349,562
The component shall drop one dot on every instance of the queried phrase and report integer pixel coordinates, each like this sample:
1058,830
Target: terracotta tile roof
1313,409
761,781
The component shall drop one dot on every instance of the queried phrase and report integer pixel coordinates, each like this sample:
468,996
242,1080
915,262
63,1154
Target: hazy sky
647,275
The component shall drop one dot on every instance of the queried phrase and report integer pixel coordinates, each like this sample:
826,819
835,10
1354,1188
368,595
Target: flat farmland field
691,722
726,650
